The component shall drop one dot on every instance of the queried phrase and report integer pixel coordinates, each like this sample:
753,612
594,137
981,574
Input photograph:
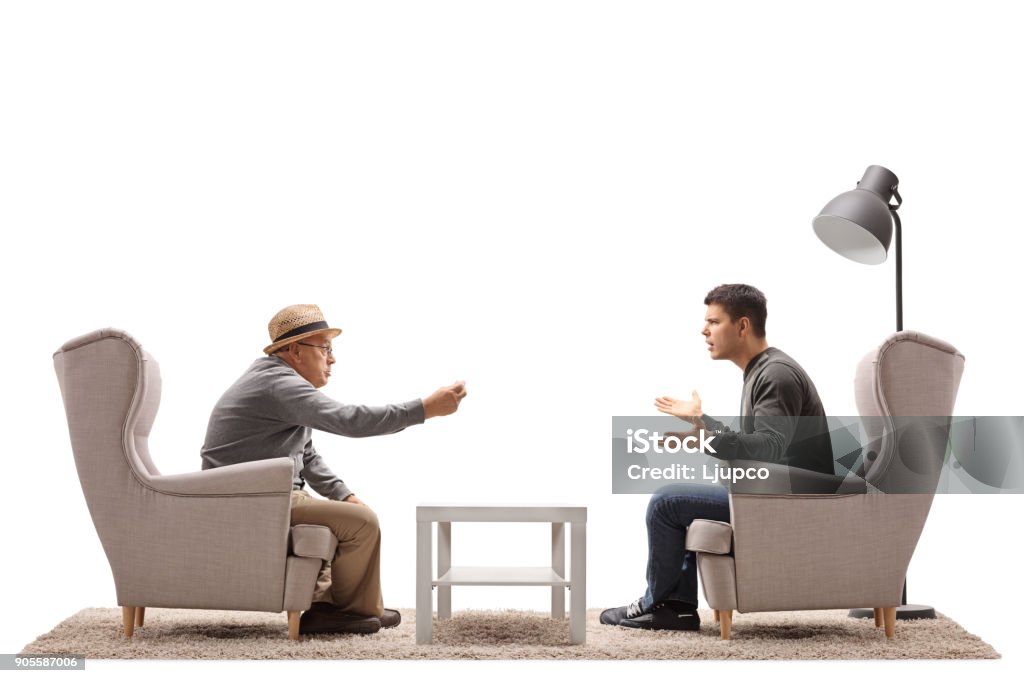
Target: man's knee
372,523
654,505
675,500
366,523
661,497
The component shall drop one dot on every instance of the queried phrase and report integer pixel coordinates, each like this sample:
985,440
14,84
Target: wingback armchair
212,539
820,542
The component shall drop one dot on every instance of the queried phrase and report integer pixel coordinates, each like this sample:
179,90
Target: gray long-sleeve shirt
271,412
781,418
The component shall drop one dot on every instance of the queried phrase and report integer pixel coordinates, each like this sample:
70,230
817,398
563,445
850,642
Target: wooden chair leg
889,616
878,617
718,617
293,624
726,617
140,617
128,619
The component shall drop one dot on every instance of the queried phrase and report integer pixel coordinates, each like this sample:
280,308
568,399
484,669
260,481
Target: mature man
776,391
272,410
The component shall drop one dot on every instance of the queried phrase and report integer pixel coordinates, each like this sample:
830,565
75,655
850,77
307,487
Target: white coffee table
448,576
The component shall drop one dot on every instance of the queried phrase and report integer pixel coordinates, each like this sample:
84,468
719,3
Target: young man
776,391
272,410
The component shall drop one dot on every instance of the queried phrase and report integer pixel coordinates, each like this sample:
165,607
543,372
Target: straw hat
297,322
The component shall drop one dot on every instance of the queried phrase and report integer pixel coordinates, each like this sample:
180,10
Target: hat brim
333,331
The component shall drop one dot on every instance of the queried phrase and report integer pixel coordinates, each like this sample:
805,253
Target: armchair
796,548
214,539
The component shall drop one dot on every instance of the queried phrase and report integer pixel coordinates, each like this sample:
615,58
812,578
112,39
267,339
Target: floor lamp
859,225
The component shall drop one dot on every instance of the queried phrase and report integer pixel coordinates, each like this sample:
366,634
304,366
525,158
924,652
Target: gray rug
198,634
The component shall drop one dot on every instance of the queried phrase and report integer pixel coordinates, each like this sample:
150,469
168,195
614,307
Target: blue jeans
671,569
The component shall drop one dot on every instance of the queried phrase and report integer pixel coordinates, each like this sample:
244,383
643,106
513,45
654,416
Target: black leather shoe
390,619
666,617
326,618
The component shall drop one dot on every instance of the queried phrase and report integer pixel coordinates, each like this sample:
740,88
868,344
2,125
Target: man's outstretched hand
688,410
444,401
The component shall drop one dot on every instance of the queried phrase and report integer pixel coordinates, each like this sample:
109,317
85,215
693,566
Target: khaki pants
355,569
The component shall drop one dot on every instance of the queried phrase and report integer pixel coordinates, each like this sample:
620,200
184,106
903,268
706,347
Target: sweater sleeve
714,425
777,405
319,476
299,402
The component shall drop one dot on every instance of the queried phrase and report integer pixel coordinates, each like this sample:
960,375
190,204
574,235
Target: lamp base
902,612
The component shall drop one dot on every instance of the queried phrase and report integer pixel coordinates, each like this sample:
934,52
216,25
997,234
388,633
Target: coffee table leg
578,607
424,583
558,564
444,563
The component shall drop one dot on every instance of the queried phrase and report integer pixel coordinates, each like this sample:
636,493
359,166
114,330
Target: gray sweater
781,418
271,411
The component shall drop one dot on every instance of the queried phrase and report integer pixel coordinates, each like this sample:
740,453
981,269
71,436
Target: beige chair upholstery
794,548
213,539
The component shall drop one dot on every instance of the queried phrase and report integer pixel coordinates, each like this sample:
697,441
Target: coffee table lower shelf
501,576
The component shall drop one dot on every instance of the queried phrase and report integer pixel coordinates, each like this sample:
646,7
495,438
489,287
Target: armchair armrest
709,536
310,540
257,478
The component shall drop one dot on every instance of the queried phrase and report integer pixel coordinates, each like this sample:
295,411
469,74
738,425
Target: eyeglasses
328,350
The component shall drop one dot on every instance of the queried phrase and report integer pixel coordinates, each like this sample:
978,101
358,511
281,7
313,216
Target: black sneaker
326,618
666,616
616,615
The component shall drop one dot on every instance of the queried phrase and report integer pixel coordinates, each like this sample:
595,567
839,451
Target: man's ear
744,325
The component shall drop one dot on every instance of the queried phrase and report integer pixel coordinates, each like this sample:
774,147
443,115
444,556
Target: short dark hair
741,301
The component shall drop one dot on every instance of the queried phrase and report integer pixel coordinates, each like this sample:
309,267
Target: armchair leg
878,617
718,617
140,617
726,616
128,620
293,624
889,616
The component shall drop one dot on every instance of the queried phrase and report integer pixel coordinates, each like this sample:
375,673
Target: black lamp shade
858,224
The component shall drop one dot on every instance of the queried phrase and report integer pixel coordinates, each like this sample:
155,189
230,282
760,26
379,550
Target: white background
530,196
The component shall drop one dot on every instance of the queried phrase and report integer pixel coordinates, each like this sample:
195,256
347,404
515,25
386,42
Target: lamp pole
899,258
